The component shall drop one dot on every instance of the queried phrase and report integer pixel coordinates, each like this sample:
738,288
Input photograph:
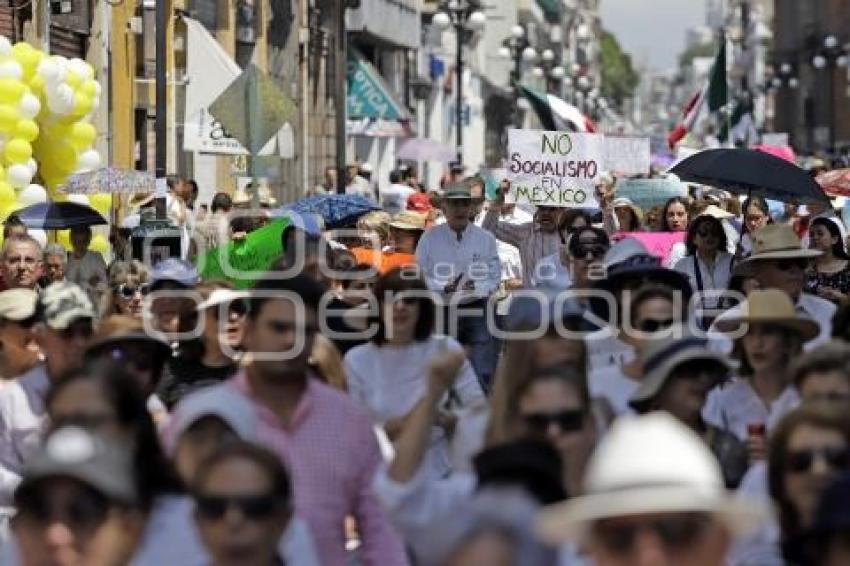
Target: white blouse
735,404
714,278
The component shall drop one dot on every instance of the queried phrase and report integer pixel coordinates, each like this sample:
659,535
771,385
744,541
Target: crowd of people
458,381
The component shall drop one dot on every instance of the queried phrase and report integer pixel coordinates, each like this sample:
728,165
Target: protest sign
658,244
627,156
647,193
774,138
554,168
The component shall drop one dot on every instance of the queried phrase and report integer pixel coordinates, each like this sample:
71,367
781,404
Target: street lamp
467,18
832,56
518,49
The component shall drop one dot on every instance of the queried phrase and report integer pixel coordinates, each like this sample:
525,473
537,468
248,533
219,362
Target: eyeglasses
583,249
650,325
255,508
676,532
789,264
568,421
799,461
129,291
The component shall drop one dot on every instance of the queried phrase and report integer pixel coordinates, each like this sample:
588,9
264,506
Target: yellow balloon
7,194
63,237
8,118
65,157
89,88
101,203
26,130
7,209
83,135
37,86
11,90
73,79
18,151
82,104
99,244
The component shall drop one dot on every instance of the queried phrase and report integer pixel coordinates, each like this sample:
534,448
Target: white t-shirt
612,384
89,272
394,197
735,404
389,380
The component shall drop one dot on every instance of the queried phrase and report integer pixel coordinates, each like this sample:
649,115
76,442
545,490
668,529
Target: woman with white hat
770,333
829,274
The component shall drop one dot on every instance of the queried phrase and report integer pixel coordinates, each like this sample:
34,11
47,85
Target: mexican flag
713,96
556,114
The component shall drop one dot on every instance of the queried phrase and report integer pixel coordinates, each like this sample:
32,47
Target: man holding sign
553,170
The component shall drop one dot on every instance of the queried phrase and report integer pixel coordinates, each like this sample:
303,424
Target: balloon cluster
46,103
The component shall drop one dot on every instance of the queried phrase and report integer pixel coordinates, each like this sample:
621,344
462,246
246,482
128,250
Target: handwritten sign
627,156
554,168
647,193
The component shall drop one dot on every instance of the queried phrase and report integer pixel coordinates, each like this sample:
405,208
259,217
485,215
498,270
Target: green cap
457,192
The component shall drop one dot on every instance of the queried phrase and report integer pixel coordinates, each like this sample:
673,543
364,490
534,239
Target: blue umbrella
338,211
59,215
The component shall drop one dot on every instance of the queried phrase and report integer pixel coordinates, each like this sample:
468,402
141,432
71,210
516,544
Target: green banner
368,95
257,252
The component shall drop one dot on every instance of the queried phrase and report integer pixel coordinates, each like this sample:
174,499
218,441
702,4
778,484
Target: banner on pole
627,155
554,168
647,193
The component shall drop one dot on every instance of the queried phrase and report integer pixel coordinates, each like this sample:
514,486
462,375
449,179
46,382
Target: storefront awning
368,95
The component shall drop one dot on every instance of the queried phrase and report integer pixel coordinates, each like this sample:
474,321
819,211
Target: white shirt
714,278
551,273
735,404
83,270
394,197
613,385
604,349
22,416
678,251
813,306
762,547
388,381
443,257
360,186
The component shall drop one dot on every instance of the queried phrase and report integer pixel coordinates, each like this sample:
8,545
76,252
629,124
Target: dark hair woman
388,375
675,217
756,215
829,274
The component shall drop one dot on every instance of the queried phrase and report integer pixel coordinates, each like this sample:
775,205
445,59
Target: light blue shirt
442,257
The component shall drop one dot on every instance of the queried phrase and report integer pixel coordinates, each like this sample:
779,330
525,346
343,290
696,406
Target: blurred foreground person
827,541
77,504
653,496
243,505
18,349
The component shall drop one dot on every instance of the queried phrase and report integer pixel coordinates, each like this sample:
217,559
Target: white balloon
33,194
60,100
29,106
5,47
88,160
49,71
11,69
33,165
79,199
19,175
39,235
81,68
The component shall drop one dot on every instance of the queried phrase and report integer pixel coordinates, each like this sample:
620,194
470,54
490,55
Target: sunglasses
568,421
255,508
236,307
594,250
86,511
650,325
675,532
799,461
789,264
129,291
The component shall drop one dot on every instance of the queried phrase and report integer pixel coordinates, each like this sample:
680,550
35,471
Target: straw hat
769,306
774,241
716,212
625,202
138,200
663,355
120,328
408,220
649,464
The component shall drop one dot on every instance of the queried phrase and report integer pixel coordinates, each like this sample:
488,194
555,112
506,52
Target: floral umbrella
109,180
835,183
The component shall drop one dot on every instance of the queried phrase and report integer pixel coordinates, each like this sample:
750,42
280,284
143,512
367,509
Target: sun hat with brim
664,353
408,220
121,329
222,296
75,453
649,464
768,306
625,202
629,258
140,199
774,241
716,212
219,401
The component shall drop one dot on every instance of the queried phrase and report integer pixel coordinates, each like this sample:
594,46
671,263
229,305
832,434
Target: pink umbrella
835,183
781,151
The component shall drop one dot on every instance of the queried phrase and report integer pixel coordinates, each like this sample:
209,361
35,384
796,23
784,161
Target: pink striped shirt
332,455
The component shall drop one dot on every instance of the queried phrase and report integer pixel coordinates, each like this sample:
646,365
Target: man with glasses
320,433
64,316
654,495
778,262
20,264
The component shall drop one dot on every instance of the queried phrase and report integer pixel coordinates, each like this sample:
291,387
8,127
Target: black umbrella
750,172
59,215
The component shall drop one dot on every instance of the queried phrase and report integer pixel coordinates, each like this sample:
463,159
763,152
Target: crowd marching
452,380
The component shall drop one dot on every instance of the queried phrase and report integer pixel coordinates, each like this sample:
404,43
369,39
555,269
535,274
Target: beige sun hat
769,306
716,212
774,241
668,350
408,220
649,464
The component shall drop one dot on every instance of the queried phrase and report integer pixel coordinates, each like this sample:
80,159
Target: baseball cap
408,220
173,269
459,191
72,452
18,304
419,202
62,303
